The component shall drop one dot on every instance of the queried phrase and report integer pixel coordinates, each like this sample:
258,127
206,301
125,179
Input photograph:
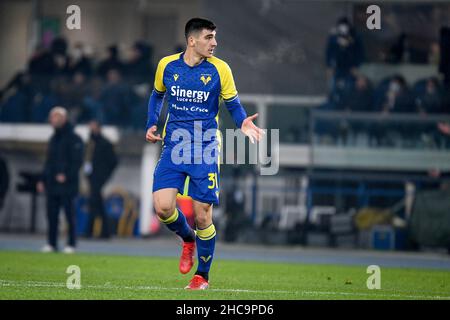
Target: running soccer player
194,82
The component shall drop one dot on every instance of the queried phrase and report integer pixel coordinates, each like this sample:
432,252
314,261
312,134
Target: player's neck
192,59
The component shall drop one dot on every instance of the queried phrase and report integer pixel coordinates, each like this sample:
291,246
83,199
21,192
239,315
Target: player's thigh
168,175
204,184
164,201
168,180
203,214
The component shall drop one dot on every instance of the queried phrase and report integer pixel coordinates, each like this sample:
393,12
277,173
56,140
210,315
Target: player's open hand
251,130
151,136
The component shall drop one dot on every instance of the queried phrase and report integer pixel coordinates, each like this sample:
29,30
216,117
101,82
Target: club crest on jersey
176,76
205,78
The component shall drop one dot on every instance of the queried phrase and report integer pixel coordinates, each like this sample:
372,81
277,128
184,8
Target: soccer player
194,82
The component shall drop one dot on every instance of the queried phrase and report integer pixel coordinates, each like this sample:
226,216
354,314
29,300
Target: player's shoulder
220,64
168,59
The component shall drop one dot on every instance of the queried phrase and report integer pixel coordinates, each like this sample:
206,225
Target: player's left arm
234,106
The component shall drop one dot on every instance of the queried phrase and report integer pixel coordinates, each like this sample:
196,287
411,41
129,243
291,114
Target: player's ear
191,41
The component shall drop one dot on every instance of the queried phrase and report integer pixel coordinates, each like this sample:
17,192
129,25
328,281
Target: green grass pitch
31,275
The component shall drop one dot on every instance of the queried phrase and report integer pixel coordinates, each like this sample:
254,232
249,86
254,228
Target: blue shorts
203,183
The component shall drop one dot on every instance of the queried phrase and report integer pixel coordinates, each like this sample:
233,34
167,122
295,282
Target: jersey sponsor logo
192,109
187,95
205,78
175,76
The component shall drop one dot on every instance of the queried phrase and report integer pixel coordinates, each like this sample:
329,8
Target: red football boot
187,257
197,283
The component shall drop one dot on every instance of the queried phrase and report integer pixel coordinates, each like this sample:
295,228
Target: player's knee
203,220
164,209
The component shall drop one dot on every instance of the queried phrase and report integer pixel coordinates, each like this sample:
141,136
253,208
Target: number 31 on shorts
213,178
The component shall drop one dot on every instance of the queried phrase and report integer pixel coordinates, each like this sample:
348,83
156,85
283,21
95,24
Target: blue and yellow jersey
193,94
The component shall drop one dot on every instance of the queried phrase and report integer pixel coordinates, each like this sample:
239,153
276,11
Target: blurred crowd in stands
115,91
106,90
352,91
392,94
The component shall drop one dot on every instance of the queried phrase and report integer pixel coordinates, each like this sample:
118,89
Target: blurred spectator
409,48
74,96
398,97
61,59
359,100
93,100
392,96
47,64
116,100
43,102
41,62
361,96
338,99
81,62
4,181
344,52
100,162
60,178
41,68
400,50
341,93
111,62
429,100
18,93
139,68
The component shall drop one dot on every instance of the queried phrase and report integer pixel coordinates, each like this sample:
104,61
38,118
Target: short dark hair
198,24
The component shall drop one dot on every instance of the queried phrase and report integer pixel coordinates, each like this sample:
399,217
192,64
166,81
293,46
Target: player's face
205,43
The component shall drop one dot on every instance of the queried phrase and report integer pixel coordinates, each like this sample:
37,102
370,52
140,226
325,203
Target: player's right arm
155,104
151,136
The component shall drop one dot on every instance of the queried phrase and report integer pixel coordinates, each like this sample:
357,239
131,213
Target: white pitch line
43,284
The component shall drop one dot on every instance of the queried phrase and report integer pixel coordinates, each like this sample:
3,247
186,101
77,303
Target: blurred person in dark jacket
139,65
117,100
93,99
361,99
398,97
392,95
361,95
112,61
100,162
400,50
74,95
46,65
60,178
430,101
18,101
81,61
344,51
